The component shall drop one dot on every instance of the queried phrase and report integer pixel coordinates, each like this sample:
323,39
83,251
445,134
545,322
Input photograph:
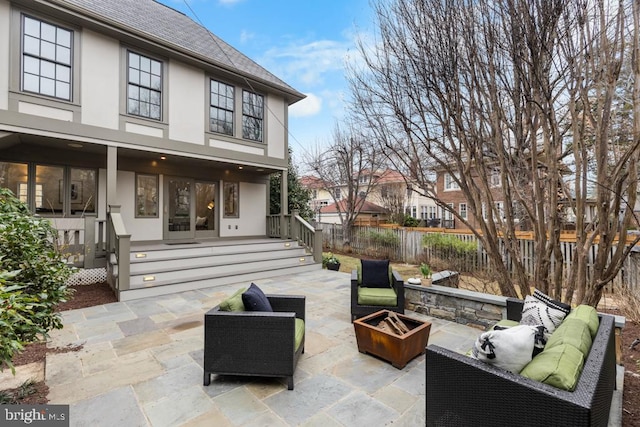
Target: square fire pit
390,346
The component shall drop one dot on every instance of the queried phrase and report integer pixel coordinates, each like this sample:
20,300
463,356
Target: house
129,114
370,213
450,194
390,192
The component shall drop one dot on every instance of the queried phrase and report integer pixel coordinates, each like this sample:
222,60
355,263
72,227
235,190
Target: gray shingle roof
168,26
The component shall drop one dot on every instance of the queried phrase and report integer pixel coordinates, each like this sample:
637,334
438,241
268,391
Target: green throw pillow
574,332
234,302
587,314
559,367
299,325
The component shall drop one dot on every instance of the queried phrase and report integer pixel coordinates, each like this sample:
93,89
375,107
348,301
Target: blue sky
303,42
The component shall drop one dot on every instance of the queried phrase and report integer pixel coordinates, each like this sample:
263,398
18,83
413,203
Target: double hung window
221,108
144,89
46,58
252,116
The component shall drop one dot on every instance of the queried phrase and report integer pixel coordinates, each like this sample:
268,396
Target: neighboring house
370,214
450,194
130,107
320,196
389,190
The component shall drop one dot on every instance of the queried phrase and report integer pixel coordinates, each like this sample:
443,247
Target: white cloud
308,63
245,36
309,106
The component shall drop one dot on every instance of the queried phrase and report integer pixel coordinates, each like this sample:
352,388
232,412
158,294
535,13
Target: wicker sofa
462,391
254,343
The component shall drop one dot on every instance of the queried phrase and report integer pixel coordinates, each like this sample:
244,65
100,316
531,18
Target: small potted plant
426,272
331,262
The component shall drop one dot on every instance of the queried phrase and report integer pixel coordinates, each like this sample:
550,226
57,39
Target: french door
190,208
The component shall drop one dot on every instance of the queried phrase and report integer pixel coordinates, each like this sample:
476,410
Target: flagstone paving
141,365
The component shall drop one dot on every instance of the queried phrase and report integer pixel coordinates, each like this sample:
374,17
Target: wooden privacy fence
403,244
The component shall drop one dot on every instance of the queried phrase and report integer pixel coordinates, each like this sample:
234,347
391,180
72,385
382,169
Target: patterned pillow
510,349
540,309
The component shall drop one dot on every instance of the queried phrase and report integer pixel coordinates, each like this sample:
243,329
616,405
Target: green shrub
386,238
459,254
33,277
410,221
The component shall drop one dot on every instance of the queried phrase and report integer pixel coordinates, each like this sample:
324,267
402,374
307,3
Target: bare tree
510,89
347,165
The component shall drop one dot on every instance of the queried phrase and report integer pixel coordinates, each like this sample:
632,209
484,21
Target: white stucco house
129,112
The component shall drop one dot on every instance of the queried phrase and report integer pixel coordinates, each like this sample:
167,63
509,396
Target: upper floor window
46,58
494,177
338,194
221,108
144,91
252,115
384,191
450,183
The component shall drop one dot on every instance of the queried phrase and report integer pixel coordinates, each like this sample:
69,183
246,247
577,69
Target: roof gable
174,29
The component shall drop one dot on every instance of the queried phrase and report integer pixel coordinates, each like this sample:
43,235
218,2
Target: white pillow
200,221
540,309
510,349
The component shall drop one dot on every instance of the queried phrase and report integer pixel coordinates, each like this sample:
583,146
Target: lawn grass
348,263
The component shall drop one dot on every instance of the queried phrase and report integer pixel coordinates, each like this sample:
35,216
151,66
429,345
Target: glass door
206,207
179,210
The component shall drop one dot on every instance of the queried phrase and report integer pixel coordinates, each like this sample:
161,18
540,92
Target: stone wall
469,308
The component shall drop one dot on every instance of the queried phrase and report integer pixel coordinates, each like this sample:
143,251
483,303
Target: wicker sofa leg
290,382
207,378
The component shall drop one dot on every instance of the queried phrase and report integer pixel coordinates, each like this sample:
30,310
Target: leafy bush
386,238
33,276
459,254
410,221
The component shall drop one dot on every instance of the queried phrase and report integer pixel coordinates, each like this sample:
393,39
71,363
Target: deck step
245,278
160,268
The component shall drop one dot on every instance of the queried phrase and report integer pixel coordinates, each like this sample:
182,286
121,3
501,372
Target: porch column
284,205
112,175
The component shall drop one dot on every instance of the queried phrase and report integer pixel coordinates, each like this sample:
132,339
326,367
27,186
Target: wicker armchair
254,343
462,391
396,284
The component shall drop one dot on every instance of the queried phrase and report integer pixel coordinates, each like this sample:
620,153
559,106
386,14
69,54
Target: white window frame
450,183
495,179
462,209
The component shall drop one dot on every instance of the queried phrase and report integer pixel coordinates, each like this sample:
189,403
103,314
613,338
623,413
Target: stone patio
141,365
